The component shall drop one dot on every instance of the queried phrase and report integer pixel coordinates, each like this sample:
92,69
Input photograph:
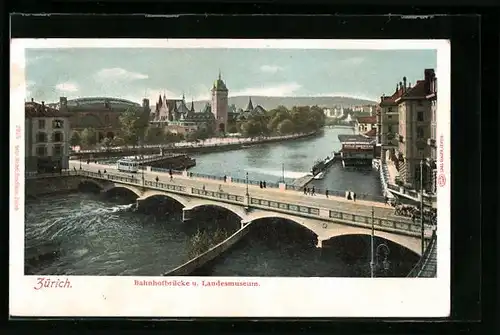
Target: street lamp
247,183
80,156
283,172
385,262
372,264
422,242
142,159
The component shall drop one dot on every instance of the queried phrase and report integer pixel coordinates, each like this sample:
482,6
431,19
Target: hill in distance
273,102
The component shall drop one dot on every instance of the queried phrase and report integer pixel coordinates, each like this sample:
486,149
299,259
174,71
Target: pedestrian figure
225,178
203,187
354,196
191,174
99,172
104,170
157,179
74,168
305,190
264,184
313,191
349,195
171,177
326,193
220,188
95,161
260,184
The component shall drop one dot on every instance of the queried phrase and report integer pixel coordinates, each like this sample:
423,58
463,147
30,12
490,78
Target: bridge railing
174,172
412,228
426,259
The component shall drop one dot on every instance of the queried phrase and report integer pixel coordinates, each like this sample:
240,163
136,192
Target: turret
250,105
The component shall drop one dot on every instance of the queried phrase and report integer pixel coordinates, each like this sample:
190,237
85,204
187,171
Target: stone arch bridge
325,223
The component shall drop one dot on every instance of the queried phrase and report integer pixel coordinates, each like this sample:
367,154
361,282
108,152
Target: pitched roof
367,119
417,91
371,133
34,109
250,105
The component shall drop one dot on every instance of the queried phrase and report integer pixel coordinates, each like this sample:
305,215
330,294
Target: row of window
56,124
420,132
57,150
420,114
42,137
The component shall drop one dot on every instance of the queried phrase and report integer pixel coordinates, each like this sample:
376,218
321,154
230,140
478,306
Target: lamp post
80,156
247,183
142,159
385,262
422,230
283,172
372,237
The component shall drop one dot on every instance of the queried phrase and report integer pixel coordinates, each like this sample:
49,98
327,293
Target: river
94,234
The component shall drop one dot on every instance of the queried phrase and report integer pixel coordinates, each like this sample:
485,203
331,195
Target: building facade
431,89
414,108
47,133
388,121
365,124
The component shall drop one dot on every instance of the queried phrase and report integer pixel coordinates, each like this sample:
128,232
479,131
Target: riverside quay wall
52,185
201,260
195,148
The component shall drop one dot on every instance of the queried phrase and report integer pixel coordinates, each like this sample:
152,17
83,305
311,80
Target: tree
132,126
232,128
118,141
75,139
107,142
88,137
285,127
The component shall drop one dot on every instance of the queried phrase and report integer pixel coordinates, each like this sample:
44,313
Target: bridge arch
304,222
124,186
409,242
240,212
97,183
153,193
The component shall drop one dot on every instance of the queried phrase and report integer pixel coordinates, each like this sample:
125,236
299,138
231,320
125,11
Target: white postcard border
274,297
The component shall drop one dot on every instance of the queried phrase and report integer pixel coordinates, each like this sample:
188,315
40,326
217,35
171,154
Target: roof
355,138
219,85
417,91
367,119
371,133
250,105
34,109
100,100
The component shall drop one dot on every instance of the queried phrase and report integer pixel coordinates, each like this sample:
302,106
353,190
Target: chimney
428,76
404,84
400,85
43,103
32,100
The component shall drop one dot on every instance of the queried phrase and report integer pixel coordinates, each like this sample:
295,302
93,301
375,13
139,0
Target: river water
93,234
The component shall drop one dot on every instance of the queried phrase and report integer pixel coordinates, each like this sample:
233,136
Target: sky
134,73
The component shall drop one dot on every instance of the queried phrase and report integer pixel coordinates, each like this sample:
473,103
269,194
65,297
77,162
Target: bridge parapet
326,216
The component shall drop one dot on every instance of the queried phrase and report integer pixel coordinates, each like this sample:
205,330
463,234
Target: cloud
117,73
348,95
352,61
67,87
270,68
277,90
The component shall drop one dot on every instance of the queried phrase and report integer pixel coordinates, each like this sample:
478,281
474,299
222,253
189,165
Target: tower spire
192,105
220,77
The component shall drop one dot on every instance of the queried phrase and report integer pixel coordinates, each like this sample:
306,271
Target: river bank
208,146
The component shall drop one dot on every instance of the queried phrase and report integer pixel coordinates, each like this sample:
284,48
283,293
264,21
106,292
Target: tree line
135,129
282,121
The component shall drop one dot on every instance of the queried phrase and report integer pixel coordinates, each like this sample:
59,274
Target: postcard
230,178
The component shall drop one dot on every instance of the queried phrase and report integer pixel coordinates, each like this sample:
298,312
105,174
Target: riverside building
47,133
